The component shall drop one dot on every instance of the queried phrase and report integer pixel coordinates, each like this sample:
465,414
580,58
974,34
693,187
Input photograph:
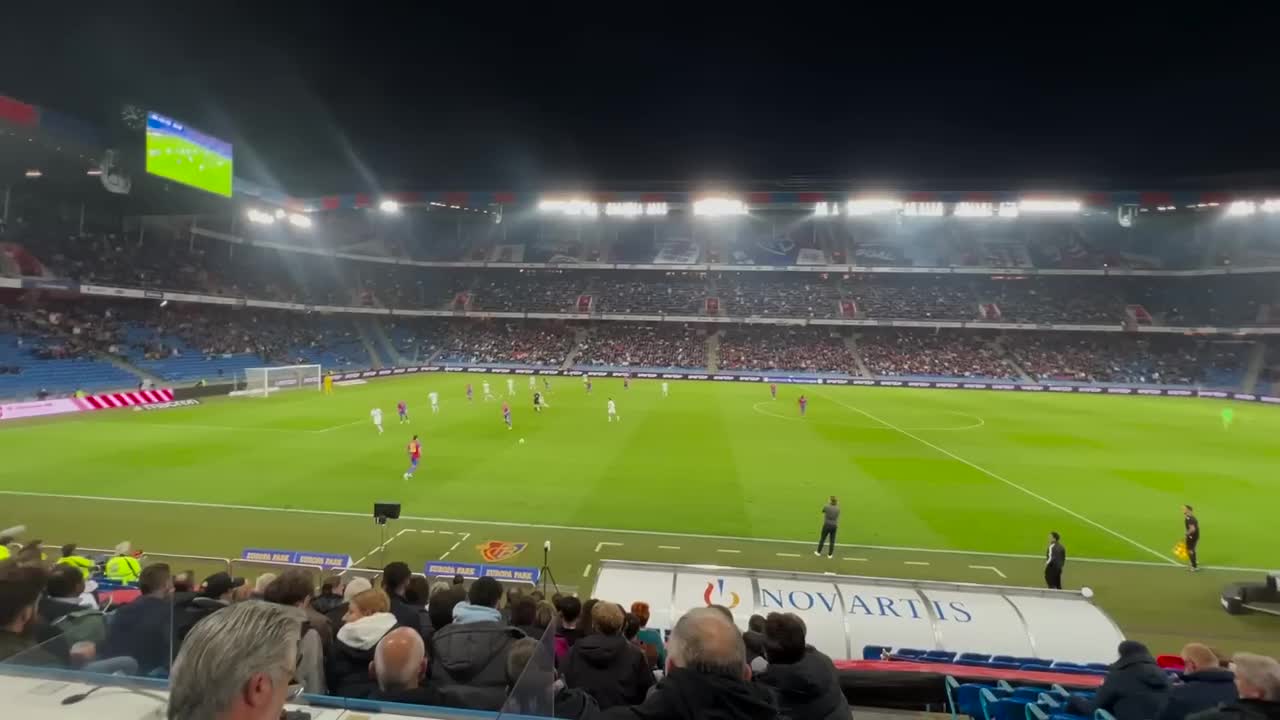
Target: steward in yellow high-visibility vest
79,562
123,567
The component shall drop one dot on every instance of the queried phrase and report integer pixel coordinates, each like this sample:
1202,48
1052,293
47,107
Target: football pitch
949,485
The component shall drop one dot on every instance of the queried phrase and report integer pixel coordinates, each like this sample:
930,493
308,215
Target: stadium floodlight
571,208
390,207
713,207
624,209
299,221
260,217
1242,208
973,210
1007,210
655,209
872,206
33,173
923,209
1270,206
1050,206
94,172
280,213
823,209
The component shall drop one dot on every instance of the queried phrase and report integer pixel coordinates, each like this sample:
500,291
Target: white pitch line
914,562
992,568
1004,480
455,546
338,427
614,531
601,544
735,552
446,554
857,559
587,571
668,547
445,532
787,554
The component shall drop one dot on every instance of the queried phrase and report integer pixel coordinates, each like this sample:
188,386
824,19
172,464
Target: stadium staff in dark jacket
803,679
1135,687
707,676
1205,684
1055,558
1258,684
469,655
142,629
610,669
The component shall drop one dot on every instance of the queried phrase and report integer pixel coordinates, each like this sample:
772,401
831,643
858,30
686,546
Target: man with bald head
707,677
399,665
1205,684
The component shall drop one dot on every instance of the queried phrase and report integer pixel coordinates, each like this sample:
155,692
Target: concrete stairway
852,343
713,351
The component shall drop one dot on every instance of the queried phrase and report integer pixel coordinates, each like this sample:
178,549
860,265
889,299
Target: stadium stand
924,354
798,349
619,345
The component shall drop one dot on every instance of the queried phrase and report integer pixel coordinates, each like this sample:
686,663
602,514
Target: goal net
264,381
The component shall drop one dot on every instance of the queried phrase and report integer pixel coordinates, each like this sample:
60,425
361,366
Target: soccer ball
521,441
1087,592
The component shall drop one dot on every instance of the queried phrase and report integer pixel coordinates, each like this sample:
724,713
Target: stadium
188,381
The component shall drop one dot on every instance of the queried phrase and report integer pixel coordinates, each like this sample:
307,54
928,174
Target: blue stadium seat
981,657
874,652
939,656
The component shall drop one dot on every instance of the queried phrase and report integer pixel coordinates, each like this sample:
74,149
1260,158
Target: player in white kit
434,397
613,412
511,386
487,394
533,383
664,389
376,414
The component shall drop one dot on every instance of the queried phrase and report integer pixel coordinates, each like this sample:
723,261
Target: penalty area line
605,531
1006,481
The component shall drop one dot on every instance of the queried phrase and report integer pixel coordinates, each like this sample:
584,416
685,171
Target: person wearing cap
216,592
79,562
123,567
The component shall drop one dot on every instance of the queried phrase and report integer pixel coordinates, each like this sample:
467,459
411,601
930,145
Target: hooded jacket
609,669
1200,690
1135,687
472,651
687,694
1242,710
347,668
807,689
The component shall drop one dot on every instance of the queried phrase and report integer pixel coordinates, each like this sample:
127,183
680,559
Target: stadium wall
104,401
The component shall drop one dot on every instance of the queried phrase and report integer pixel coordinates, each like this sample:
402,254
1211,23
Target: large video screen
186,155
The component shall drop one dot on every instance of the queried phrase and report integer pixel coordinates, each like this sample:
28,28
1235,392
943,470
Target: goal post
266,380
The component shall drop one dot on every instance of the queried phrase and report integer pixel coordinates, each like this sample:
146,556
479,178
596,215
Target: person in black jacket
1135,688
400,665
395,583
530,671
1258,684
803,679
605,665
143,629
367,621
469,655
1205,684
707,676
1054,561
216,592
330,596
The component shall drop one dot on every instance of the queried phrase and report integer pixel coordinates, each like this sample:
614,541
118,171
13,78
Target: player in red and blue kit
506,414
415,454
773,390
804,403
404,412
469,392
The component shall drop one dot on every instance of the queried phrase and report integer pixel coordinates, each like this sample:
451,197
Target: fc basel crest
499,550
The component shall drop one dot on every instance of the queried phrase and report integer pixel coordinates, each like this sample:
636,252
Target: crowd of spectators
1124,359
527,292
673,293
808,296
643,346
526,344
925,353
802,349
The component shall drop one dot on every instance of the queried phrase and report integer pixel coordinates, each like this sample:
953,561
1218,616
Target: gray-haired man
236,664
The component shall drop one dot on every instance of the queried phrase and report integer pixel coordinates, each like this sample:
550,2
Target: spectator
584,620
20,588
440,611
354,587
237,664
649,637
546,614
70,611
400,666
524,617
753,638
143,629
418,592
329,598
605,665
568,632
1135,687
528,676
216,593
1258,685
395,583
260,585
471,652
292,588
1205,684
707,676
367,620
184,582
804,680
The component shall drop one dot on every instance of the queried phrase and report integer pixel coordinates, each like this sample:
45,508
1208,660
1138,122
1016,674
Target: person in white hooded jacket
368,618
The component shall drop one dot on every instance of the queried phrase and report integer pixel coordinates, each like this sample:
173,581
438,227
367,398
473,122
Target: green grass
961,480
189,163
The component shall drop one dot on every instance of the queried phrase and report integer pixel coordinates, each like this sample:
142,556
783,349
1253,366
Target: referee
1193,535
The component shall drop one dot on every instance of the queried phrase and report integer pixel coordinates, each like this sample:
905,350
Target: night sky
356,97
